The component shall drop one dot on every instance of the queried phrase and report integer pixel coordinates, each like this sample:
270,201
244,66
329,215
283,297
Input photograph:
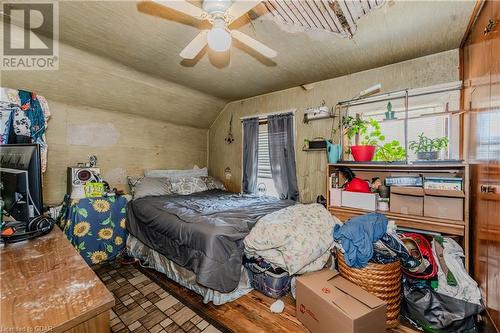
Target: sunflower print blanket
96,227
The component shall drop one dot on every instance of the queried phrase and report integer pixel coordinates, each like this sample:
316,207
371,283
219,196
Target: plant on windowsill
356,127
427,148
372,145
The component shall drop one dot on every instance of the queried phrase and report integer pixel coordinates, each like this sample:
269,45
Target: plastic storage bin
264,278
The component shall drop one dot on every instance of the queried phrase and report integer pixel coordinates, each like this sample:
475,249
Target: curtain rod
265,115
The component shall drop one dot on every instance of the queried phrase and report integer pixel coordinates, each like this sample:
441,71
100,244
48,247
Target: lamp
218,37
370,91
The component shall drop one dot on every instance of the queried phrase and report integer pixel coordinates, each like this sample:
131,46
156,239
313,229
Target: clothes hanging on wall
24,116
7,112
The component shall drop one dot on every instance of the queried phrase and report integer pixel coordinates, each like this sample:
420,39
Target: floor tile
142,306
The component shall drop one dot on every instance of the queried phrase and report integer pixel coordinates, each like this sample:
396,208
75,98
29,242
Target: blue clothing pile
358,235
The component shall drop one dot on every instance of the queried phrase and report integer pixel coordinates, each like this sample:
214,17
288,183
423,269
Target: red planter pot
363,153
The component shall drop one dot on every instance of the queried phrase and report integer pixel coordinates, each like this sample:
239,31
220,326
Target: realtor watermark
30,33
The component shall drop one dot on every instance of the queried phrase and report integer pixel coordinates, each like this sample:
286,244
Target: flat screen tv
21,180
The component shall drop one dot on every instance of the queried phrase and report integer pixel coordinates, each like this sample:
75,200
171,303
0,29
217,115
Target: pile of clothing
23,119
438,293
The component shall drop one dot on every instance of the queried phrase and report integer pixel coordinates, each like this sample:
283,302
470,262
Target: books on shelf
443,183
408,181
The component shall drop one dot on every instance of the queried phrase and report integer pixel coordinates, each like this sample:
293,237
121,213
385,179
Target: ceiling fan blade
240,8
183,7
195,46
254,44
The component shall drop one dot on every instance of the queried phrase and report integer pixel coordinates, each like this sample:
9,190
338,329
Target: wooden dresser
45,285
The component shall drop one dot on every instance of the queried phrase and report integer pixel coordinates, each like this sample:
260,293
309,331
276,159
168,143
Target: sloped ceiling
149,47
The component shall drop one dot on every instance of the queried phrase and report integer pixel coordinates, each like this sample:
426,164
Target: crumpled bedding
296,239
202,232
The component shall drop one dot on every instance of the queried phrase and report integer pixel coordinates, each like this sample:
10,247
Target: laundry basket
381,280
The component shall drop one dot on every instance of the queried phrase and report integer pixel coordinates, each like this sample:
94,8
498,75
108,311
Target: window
265,183
434,114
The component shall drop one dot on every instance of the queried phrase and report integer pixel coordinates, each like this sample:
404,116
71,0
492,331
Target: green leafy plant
354,126
370,133
425,144
390,151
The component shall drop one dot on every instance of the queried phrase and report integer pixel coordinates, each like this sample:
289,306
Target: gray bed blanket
202,232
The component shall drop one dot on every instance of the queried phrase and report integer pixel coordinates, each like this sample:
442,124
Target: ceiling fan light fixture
219,39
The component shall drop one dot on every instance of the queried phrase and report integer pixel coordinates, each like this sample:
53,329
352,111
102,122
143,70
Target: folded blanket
296,238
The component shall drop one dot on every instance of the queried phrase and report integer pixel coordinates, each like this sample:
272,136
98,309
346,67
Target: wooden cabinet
446,226
481,96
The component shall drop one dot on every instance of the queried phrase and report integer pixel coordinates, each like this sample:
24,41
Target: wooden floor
248,314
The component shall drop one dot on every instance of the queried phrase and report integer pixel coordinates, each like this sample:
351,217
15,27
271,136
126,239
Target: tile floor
143,306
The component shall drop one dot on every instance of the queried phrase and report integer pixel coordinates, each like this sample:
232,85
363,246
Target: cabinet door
493,188
482,98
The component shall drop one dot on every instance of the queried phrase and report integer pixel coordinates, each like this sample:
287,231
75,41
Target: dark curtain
250,154
282,155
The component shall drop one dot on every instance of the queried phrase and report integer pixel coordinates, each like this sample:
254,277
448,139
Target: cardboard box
366,201
328,303
407,200
336,197
445,204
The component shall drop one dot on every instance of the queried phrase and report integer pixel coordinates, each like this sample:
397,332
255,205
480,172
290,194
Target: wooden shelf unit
424,223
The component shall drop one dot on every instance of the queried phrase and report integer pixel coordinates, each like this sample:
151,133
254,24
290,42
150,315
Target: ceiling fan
221,14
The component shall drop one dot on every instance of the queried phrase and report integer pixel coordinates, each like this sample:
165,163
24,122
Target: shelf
396,165
445,226
313,149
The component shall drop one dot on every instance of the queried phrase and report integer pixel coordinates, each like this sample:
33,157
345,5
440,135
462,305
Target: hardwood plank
247,314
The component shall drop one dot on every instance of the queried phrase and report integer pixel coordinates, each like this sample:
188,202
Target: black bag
435,312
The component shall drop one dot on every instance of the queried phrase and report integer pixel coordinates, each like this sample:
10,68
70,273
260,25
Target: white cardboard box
336,197
366,201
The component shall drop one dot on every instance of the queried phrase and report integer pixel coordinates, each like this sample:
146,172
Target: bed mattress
152,259
202,232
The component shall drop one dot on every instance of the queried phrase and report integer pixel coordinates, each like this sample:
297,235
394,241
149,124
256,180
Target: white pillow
176,174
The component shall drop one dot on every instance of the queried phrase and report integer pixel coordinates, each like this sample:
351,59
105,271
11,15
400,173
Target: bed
200,233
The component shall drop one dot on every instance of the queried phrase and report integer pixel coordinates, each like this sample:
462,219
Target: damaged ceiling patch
334,16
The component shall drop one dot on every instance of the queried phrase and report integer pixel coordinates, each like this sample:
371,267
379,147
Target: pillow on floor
150,186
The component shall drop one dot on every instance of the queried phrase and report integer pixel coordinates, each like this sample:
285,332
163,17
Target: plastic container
271,282
363,153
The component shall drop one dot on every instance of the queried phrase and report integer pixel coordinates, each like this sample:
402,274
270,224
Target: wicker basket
381,280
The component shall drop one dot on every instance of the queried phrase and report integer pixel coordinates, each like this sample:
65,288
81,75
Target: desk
46,285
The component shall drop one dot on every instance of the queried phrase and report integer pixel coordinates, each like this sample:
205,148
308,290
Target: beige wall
311,166
125,144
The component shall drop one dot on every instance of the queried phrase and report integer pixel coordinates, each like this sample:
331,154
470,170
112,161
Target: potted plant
427,148
355,127
370,142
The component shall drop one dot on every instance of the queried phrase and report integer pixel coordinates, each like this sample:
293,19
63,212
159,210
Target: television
21,180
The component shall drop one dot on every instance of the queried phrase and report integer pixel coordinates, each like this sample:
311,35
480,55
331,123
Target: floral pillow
213,183
189,185
147,186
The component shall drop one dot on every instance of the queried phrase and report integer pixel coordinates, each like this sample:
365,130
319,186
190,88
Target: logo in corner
30,31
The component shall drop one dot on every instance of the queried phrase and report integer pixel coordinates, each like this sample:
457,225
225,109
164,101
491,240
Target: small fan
221,14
